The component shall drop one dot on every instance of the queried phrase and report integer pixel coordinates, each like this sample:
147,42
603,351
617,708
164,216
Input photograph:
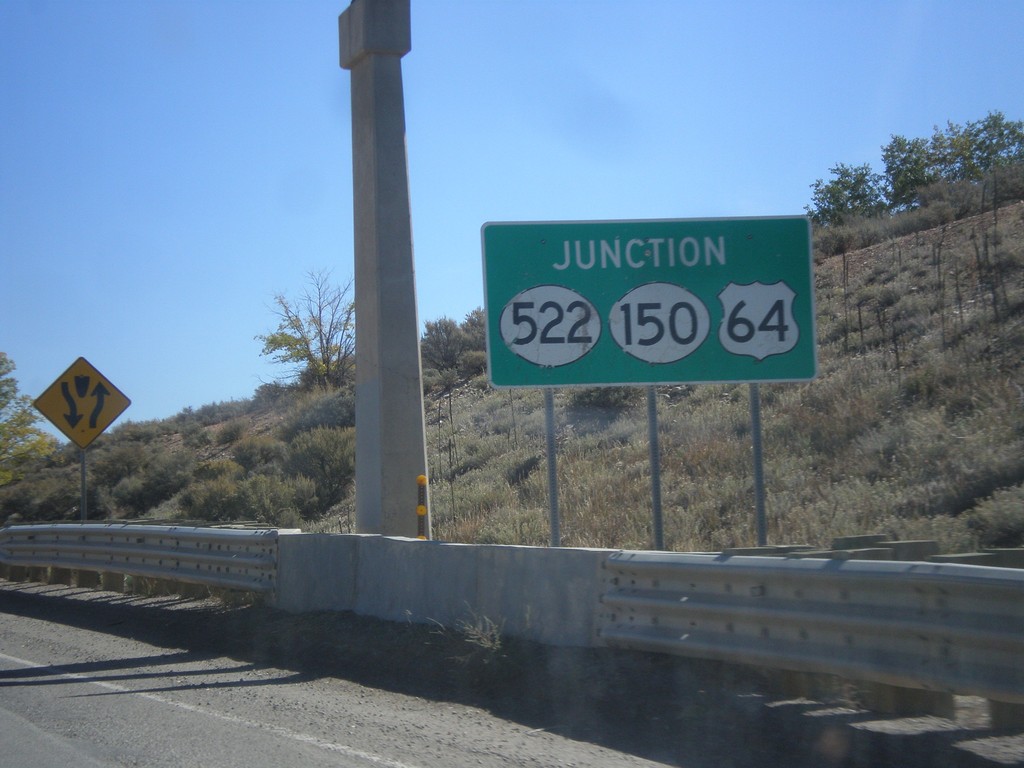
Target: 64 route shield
758,319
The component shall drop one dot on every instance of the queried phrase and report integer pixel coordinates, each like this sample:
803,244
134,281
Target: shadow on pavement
683,712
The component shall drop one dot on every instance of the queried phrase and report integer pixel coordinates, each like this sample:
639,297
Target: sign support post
85,496
755,431
82,403
549,433
657,526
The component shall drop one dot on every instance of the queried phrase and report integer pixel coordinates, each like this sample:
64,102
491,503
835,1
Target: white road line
302,738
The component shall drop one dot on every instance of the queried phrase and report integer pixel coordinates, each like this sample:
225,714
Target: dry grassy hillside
914,427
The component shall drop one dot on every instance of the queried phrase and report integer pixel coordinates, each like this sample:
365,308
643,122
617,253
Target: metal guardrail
220,558
935,629
945,628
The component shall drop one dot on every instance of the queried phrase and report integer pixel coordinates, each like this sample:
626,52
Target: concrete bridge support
390,441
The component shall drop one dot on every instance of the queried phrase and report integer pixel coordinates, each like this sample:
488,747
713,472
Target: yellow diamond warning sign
82,403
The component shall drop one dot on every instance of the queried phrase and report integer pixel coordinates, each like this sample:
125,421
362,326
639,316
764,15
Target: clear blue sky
166,167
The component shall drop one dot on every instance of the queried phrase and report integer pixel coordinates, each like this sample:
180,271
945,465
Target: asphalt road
95,679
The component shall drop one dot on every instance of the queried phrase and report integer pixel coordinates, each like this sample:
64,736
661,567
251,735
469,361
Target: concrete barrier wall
316,572
538,593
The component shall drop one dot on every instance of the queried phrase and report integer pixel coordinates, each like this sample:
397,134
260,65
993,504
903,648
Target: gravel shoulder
658,708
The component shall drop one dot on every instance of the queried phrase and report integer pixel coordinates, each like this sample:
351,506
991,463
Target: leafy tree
954,158
20,441
968,152
909,167
474,328
474,355
315,334
451,347
1000,141
442,344
855,192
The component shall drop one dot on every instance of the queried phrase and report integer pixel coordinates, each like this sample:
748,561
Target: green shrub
521,470
139,431
167,473
232,431
113,463
41,497
216,413
271,394
325,455
217,499
332,408
194,436
998,521
260,454
216,468
609,398
304,494
472,362
131,479
126,497
272,501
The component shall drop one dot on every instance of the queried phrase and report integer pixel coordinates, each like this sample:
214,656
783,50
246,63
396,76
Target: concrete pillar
390,441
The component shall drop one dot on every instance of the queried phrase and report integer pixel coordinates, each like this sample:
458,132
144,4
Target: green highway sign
649,302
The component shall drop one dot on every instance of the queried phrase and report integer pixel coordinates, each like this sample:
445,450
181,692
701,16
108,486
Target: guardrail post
894,700
1006,716
112,582
58,576
797,684
191,591
85,579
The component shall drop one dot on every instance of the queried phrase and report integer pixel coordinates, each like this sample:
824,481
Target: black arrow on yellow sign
100,392
72,417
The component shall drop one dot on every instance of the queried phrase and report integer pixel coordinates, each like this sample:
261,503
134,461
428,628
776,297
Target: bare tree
315,334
